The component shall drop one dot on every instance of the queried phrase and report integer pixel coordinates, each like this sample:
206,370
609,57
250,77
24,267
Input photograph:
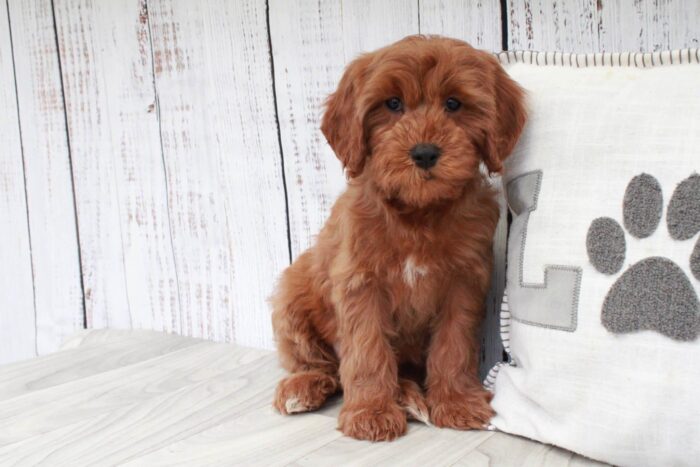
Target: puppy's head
418,117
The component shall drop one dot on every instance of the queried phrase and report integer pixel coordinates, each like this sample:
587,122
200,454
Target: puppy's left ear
508,121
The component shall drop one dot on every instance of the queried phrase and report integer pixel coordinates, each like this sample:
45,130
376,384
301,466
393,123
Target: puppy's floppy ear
343,121
508,120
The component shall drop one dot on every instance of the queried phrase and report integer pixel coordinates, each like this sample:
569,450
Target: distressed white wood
17,320
120,188
309,58
368,25
221,152
187,402
312,42
646,25
603,25
569,26
477,22
56,265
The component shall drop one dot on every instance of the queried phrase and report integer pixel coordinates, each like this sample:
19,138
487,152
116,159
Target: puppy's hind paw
303,392
465,411
412,401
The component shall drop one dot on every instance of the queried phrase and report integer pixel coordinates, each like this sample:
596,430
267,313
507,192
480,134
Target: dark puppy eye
394,104
452,104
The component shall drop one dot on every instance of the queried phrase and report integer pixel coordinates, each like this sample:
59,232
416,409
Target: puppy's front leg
455,396
368,367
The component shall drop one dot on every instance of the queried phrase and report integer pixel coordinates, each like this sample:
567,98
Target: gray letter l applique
553,304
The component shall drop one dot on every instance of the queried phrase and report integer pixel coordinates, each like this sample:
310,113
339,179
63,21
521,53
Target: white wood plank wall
48,177
161,160
17,311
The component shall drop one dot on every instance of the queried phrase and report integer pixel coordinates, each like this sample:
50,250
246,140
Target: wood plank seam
70,163
418,11
504,24
24,175
164,165
226,263
277,123
55,267
127,262
129,310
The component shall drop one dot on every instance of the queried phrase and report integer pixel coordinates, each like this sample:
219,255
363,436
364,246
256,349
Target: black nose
425,155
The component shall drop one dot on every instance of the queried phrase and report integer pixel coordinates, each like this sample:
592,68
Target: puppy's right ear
343,121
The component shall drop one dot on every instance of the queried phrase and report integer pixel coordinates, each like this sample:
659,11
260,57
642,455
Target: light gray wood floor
143,398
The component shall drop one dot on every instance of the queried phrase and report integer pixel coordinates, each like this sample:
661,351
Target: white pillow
602,320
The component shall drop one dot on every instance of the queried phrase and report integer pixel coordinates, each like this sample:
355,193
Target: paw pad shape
654,293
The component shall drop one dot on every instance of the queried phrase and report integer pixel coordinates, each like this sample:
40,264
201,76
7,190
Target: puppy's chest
416,282
412,272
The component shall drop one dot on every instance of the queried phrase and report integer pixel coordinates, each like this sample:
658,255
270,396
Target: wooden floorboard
88,360
259,437
48,409
504,449
150,399
422,445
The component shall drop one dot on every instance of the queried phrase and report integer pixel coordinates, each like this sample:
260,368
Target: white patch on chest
411,271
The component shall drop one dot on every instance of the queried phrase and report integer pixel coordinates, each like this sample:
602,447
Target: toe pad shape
654,294
606,246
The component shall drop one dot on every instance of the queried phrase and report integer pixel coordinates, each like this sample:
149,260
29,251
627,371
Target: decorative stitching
629,59
505,323
490,380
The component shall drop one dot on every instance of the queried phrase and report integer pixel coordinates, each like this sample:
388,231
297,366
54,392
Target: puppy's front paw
373,422
462,411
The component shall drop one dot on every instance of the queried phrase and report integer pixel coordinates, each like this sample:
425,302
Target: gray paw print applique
654,293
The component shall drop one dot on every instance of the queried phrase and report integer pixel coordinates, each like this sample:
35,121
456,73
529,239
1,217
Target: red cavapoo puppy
389,301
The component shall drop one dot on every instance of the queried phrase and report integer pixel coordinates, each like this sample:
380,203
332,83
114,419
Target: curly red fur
399,273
